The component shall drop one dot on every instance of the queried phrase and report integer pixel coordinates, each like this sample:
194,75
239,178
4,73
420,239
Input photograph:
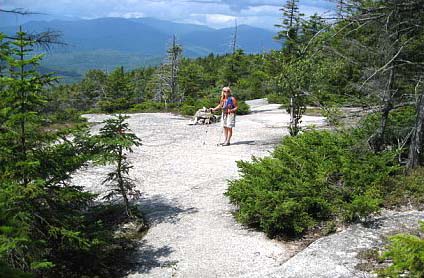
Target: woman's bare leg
230,133
225,134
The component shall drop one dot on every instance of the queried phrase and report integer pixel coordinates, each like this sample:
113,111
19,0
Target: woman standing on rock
229,107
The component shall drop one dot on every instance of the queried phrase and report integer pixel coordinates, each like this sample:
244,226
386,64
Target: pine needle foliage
48,226
310,179
406,252
116,141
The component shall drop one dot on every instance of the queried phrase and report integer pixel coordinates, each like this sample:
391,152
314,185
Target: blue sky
214,13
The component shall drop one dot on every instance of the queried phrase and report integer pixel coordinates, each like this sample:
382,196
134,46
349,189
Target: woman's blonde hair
222,92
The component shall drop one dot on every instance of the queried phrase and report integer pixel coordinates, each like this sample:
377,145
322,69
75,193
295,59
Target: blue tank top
229,104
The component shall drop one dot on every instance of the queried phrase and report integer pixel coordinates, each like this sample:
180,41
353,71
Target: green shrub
8,272
109,106
243,108
405,189
148,107
406,252
66,116
188,110
314,177
248,93
276,98
398,126
190,105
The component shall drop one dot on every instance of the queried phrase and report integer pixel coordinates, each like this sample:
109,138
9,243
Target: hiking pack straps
228,104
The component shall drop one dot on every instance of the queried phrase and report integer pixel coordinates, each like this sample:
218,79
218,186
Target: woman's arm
218,107
234,110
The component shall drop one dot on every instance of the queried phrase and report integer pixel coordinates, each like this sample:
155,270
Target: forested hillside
368,56
105,43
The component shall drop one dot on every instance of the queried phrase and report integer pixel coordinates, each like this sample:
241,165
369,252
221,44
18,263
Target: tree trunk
415,156
377,141
122,185
23,111
292,118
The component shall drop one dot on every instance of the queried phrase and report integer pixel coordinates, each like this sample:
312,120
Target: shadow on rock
158,209
372,223
149,257
270,142
244,143
255,111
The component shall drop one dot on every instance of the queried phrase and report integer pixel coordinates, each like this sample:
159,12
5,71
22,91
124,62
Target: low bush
398,126
315,177
148,107
188,110
243,108
110,106
406,253
190,106
405,190
68,115
109,253
7,272
276,98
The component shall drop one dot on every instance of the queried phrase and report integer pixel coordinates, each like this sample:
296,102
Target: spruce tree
116,141
41,213
20,102
290,25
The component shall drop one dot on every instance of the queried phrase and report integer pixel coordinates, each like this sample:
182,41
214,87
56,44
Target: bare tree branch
385,65
44,39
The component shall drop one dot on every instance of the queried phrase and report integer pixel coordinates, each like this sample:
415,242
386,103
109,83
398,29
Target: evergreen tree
116,141
20,103
118,91
91,89
41,214
345,8
139,79
290,25
387,49
311,27
234,68
191,79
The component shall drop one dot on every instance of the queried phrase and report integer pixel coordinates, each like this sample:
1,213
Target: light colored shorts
228,120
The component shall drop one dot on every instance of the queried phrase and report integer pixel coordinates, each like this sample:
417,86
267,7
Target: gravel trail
183,175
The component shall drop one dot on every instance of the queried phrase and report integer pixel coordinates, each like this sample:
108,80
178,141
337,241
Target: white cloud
219,18
127,15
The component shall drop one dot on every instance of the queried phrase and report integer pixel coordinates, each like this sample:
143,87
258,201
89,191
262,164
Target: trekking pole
220,135
222,131
207,122
206,133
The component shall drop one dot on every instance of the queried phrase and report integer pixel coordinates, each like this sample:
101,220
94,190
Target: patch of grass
405,190
313,111
370,260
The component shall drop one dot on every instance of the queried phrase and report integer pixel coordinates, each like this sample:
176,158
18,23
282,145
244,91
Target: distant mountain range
105,43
